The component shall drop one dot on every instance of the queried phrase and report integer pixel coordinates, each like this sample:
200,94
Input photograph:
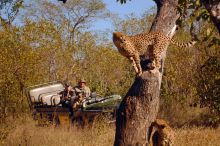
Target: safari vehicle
44,101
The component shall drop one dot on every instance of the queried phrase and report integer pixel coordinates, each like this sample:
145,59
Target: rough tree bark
140,106
213,6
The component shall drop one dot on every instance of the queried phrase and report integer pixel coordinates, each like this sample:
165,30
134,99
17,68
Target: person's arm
87,92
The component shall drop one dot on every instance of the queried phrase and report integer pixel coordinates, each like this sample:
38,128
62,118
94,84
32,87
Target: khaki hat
82,81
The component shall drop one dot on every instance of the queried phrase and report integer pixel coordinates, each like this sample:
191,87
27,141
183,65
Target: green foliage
43,50
183,81
133,24
51,46
209,83
73,19
178,85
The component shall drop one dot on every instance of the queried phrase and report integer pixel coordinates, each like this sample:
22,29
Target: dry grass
197,137
26,133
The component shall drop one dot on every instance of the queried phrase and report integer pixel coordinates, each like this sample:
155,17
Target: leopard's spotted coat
134,46
163,134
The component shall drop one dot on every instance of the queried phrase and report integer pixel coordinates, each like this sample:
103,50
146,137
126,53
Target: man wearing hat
82,92
82,88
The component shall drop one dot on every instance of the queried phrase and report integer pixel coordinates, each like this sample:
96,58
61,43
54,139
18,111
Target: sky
138,7
134,6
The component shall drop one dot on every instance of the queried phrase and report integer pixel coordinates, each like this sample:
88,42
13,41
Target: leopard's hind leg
157,50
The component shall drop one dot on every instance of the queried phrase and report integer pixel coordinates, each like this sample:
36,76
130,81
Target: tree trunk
213,6
140,106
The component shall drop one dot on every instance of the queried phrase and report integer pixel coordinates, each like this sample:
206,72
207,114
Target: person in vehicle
66,98
77,102
82,88
67,95
82,92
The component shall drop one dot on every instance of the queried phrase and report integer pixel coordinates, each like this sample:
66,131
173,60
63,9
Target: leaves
122,1
208,85
51,45
43,50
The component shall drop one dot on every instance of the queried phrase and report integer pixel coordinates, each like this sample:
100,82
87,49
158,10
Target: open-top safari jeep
44,101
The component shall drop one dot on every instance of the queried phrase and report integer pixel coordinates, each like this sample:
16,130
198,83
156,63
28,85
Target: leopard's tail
183,45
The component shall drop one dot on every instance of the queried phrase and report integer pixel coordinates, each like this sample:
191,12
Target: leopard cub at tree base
162,134
134,46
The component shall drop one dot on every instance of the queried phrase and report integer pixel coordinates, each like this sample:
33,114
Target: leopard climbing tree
133,47
140,106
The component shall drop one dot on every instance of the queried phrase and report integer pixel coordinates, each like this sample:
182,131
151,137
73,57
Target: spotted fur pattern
163,134
134,46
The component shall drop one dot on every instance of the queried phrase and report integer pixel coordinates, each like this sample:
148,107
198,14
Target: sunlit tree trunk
140,106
